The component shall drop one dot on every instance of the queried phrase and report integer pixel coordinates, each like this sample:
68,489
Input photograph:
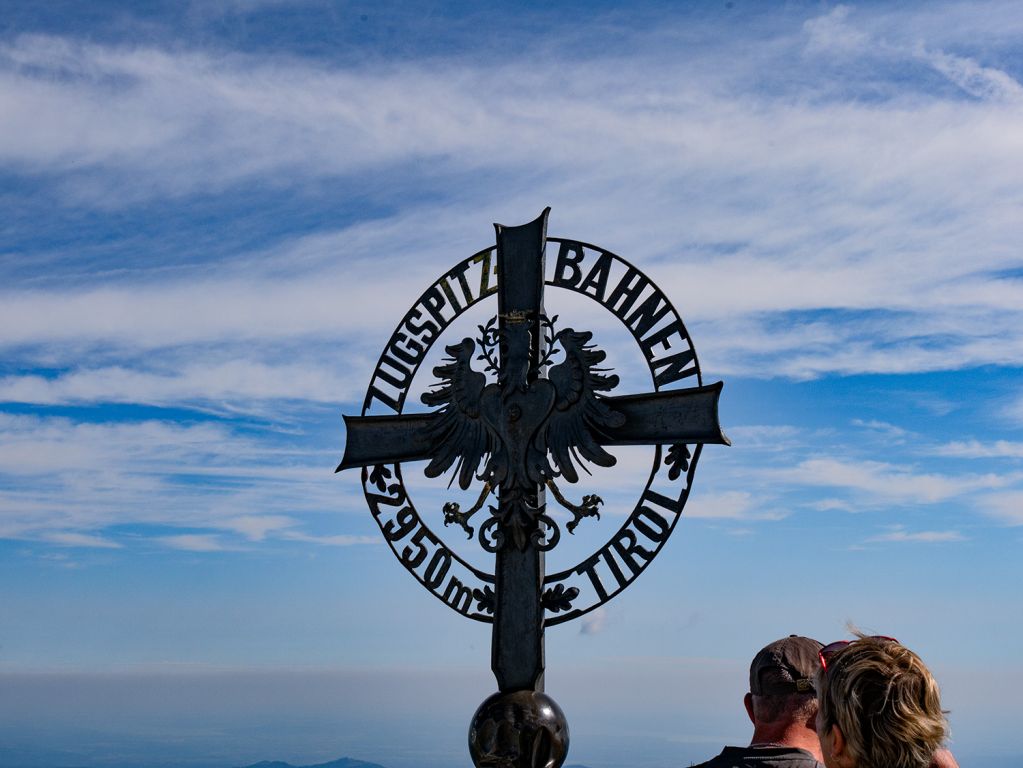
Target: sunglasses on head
829,650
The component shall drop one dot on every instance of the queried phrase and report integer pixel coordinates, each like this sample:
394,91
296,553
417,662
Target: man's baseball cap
794,659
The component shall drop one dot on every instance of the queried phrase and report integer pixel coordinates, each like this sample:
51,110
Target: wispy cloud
975,449
71,539
256,527
900,534
837,34
340,540
833,505
1014,411
729,505
977,80
1005,507
880,482
891,430
831,34
870,276
68,482
593,623
237,381
193,542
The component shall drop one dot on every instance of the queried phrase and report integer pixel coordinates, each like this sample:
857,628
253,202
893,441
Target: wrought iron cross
518,435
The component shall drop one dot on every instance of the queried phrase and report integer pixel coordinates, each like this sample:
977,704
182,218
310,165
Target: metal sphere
521,729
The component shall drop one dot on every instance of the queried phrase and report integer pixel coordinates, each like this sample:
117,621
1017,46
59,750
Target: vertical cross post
517,651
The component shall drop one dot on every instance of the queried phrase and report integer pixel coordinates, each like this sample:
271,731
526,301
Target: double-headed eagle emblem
524,433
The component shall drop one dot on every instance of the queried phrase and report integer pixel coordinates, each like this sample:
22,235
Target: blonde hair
885,701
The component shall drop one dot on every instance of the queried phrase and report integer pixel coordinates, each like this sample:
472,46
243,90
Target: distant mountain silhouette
344,762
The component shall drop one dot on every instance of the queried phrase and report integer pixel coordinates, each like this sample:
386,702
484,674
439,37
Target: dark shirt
762,757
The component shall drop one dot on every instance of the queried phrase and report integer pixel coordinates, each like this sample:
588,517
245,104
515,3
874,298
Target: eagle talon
586,508
453,515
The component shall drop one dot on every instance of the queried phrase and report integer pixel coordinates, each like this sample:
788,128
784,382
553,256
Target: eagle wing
460,435
579,415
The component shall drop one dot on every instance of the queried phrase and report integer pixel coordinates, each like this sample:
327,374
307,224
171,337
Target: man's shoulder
762,757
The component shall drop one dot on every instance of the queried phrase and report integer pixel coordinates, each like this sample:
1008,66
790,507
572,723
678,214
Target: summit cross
515,423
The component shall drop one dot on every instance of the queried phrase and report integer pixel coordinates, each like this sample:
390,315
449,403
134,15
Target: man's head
879,707
781,702
781,683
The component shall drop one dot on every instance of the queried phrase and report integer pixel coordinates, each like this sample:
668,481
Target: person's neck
792,735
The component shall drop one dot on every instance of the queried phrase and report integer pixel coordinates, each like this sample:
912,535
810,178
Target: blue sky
215,213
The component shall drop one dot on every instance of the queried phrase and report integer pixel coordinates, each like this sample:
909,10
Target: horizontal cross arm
386,439
673,416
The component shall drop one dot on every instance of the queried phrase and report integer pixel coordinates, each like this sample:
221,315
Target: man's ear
748,701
